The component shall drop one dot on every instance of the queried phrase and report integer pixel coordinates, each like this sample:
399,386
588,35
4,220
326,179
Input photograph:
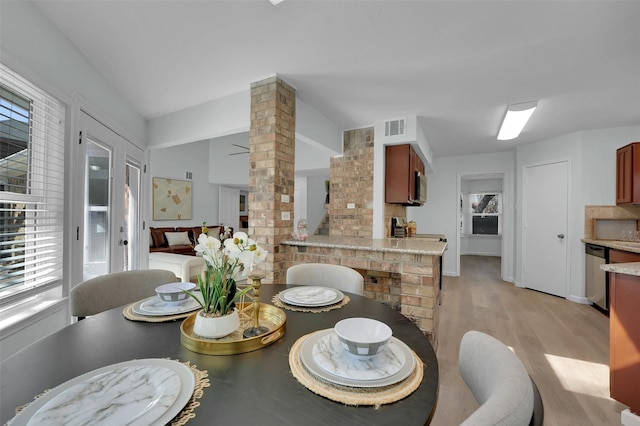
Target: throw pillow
158,237
177,238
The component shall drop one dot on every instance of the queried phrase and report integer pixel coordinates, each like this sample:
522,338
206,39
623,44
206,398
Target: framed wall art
172,199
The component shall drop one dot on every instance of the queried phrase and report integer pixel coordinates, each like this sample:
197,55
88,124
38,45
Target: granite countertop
428,245
629,246
632,268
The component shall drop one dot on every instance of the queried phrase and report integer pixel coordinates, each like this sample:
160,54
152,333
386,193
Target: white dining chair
499,382
108,291
323,274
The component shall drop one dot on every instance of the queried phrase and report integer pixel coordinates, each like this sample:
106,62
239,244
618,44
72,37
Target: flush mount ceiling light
515,119
276,2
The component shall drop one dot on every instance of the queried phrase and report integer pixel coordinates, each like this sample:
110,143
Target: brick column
351,177
272,170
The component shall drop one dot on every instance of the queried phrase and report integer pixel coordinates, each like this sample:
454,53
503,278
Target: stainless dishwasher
597,280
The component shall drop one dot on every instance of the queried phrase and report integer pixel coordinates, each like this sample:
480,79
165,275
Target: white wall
592,155
481,245
47,58
439,215
219,117
172,163
225,169
598,185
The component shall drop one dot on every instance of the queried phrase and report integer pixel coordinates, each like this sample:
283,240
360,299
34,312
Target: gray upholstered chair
335,276
499,382
112,290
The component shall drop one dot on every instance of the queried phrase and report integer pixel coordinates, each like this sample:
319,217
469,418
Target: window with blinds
31,188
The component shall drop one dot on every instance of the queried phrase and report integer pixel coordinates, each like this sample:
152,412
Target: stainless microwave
421,188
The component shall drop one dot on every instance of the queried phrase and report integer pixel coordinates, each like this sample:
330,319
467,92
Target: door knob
561,236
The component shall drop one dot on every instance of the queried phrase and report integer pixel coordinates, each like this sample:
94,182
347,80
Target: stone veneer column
271,170
351,177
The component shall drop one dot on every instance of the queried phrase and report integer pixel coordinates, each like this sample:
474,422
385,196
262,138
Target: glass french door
109,228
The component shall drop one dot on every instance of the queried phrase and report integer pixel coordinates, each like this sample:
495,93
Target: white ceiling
455,64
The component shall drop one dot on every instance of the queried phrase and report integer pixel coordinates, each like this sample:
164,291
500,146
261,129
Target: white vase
216,327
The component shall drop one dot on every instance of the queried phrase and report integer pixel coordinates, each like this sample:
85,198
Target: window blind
31,187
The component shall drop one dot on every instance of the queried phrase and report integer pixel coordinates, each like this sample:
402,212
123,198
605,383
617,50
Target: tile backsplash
605,218
611,229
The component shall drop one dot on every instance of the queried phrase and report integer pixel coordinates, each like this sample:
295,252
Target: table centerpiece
226,262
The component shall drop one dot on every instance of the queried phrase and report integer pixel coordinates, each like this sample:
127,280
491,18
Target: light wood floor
563,345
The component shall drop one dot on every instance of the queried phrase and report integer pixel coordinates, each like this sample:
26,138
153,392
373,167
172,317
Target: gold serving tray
271,317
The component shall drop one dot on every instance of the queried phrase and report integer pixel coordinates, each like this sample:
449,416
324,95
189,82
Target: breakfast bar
402,273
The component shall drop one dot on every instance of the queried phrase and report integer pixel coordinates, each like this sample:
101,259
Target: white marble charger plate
311,296
154,307
141,392
349,370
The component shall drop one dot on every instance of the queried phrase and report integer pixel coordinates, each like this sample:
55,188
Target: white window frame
42,281
467,214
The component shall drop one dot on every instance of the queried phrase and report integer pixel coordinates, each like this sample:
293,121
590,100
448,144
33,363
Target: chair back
112,290
323,274
498,380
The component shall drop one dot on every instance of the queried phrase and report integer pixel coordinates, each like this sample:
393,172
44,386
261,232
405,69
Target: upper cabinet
405,181
628,174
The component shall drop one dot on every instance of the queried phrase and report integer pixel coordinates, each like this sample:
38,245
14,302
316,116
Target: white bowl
173,292
364,337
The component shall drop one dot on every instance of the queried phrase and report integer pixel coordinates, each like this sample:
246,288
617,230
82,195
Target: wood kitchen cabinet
621,256
401,164
628,174
624,340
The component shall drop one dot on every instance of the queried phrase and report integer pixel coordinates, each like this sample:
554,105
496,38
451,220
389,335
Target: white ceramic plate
331,355
141,392
359,373
154,307
311,296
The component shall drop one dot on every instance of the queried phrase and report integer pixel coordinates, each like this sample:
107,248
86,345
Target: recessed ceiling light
515,119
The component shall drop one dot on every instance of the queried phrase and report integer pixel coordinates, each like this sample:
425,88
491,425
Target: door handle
561,236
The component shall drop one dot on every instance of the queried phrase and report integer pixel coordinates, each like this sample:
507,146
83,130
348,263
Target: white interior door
109,179
545,221
229,207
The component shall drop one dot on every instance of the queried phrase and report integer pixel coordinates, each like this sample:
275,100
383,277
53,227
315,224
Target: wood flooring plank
563,345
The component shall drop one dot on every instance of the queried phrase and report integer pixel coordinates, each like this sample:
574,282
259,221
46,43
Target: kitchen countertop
632,268
423,244
630,246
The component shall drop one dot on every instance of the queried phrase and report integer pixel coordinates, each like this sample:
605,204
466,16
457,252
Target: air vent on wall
394,127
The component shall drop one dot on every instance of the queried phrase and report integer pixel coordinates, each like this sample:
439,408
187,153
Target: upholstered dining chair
335,276
499,382
108,291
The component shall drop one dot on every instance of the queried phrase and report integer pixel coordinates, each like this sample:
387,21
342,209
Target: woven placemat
349,395
202,381
187,413
130,315
277,302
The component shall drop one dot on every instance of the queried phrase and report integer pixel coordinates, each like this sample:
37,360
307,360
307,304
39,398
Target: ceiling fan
242,152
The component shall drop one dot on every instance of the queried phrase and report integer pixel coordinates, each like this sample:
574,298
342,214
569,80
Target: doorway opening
481,220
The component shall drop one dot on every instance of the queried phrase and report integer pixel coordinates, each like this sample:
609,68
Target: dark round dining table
245,389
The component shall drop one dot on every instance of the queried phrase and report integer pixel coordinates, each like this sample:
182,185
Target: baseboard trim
578,299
